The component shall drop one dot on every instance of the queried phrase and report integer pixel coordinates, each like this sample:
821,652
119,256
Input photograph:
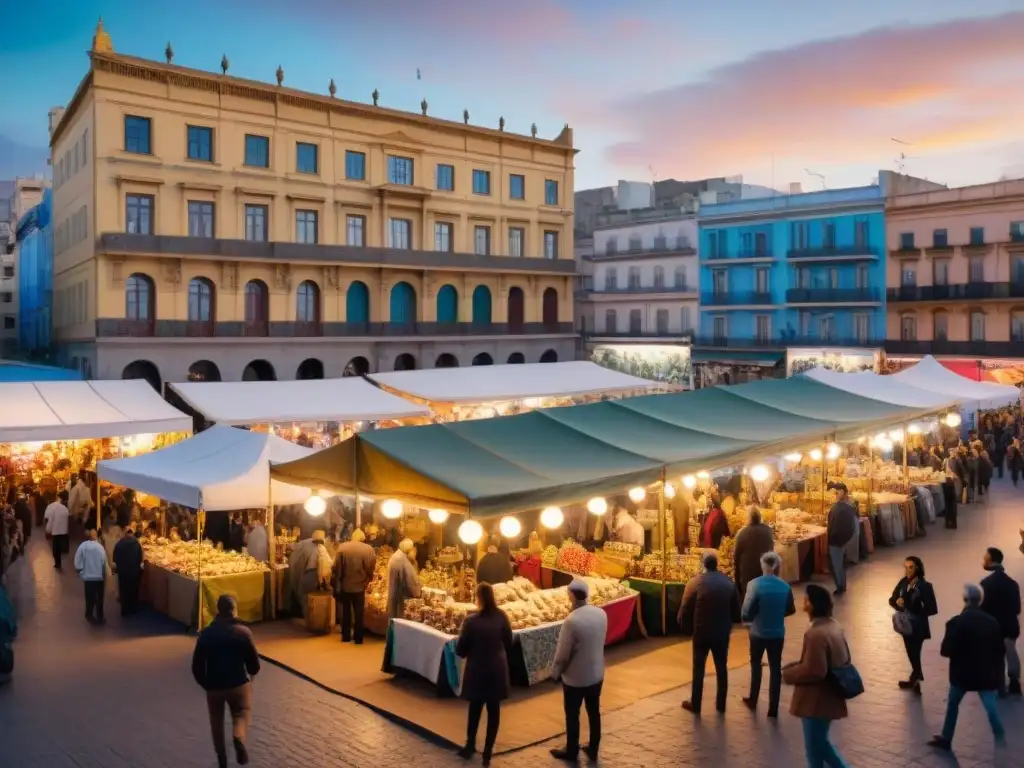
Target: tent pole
355,481
271,544
200,524
99,502
906,471
663,524
824,473
871,473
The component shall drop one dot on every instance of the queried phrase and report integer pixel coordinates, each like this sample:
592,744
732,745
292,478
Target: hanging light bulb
551,517
834,451
815,454
670,491
861,440
325,494
637,494
792,458
470,532
510,527
759,473
885,444
896,435
703,475
953,419
689,481
391,509
880,438
438,516
914,429
315,505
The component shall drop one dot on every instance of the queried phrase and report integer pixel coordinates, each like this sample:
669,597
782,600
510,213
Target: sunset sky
764,88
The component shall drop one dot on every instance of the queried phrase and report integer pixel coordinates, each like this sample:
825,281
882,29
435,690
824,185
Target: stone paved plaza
122,696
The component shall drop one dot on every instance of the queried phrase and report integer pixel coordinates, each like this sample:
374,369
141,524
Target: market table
650,603
177,595
418,648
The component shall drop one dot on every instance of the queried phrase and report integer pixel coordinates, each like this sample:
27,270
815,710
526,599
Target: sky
777,91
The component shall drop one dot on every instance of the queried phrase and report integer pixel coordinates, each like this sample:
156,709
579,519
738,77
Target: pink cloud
939,86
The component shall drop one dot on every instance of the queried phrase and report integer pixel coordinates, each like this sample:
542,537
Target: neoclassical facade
211,227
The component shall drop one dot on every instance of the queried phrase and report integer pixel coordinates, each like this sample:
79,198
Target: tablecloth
650,603
890,524
529,568
177,595
909,514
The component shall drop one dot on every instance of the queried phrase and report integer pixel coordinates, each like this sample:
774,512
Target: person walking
579,661
224,663
768,602
128,558
55,519
842,527
973,643
485,642
353,572
817,700
91,564
753,541
1002,602
710,607
914,598
1014,460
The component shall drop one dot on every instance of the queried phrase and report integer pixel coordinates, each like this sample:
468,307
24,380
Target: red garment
712,529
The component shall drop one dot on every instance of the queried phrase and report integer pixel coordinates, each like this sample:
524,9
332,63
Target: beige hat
406,545
318,536
358,535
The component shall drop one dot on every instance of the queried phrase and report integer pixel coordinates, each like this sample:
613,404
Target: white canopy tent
271,402
886,389
79,410
222,468
495,383
931,375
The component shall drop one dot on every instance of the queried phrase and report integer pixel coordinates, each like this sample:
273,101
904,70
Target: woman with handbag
914,601
819,697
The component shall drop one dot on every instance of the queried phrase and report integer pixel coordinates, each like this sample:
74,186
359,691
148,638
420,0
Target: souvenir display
190,559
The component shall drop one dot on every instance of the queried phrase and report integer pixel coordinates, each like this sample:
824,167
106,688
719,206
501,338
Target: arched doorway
307,309
549,312
549,357
446,360
203,370
259,370
483,359
357,366
447,305
357,304
257,308
140,304
516,309
516,358
405,362
403,304
202,307
143,369
311,368
481,305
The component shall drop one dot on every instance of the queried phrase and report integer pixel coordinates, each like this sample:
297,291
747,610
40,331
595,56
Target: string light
597,506
953,420
815,454
792,458
690,481
470,532
551,517
510,527
834,451
759,473
315,505
438,516
391,509
637,494
670,491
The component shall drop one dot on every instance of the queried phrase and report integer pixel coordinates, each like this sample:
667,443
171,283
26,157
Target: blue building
799,270
35,278
20,372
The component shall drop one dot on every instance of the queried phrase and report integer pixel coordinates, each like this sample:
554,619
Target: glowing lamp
815,454
896,435
597,506
689,481
391,509
759,473
670,491
953,420
834,451
324,494
792,458
438,516
703,475
914,429
551,517
315,505
510,527
470,532
637,494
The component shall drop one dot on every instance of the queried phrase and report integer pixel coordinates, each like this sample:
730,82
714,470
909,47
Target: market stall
222,468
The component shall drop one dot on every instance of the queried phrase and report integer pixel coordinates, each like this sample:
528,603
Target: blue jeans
988,700
837,563
819,749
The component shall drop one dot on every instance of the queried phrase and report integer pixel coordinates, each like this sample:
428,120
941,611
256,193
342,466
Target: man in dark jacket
128,558
754,540
711,605
224,663
494,567
842,527
974,646
1002,602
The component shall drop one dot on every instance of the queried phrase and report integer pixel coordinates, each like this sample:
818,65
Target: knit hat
579,588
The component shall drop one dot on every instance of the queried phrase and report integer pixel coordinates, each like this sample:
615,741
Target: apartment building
209,227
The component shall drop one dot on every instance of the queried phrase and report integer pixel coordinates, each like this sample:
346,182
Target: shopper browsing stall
842,527
626,528
353,572
494,567
403,583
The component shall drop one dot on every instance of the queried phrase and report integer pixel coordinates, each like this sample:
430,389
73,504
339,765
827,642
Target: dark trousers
94,599
351,604
720,655
914,644
128,589
60,546
999,466
1014,475
237,702
572,699
476,709
758,648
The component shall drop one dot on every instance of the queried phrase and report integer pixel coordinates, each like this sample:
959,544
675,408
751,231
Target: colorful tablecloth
529,568
177,596
650,604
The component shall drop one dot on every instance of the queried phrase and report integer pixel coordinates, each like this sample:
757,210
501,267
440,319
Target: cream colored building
207,226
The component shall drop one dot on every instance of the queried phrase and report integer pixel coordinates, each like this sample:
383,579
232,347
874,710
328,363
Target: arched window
447,306
481,305
680,277
549,357
446,360
403,304
310,368
940,326
1016,325
307,303
516,309
405,362
201,307
357,304
516,358
659,276
977,326
139,301
611,321
257,309
908,327
550,307
483,359
357,366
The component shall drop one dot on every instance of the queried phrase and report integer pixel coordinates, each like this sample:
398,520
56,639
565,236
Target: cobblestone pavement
121,696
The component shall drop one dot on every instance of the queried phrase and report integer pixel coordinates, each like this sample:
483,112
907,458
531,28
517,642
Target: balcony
830,253
1017,235
736,299
256,328
905,252
659,248
645,289
176,329
684,337
778,342
957,292
168,246
739,257
965,348
833,295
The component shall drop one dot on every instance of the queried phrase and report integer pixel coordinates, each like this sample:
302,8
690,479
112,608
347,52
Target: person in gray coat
753,541
711,605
